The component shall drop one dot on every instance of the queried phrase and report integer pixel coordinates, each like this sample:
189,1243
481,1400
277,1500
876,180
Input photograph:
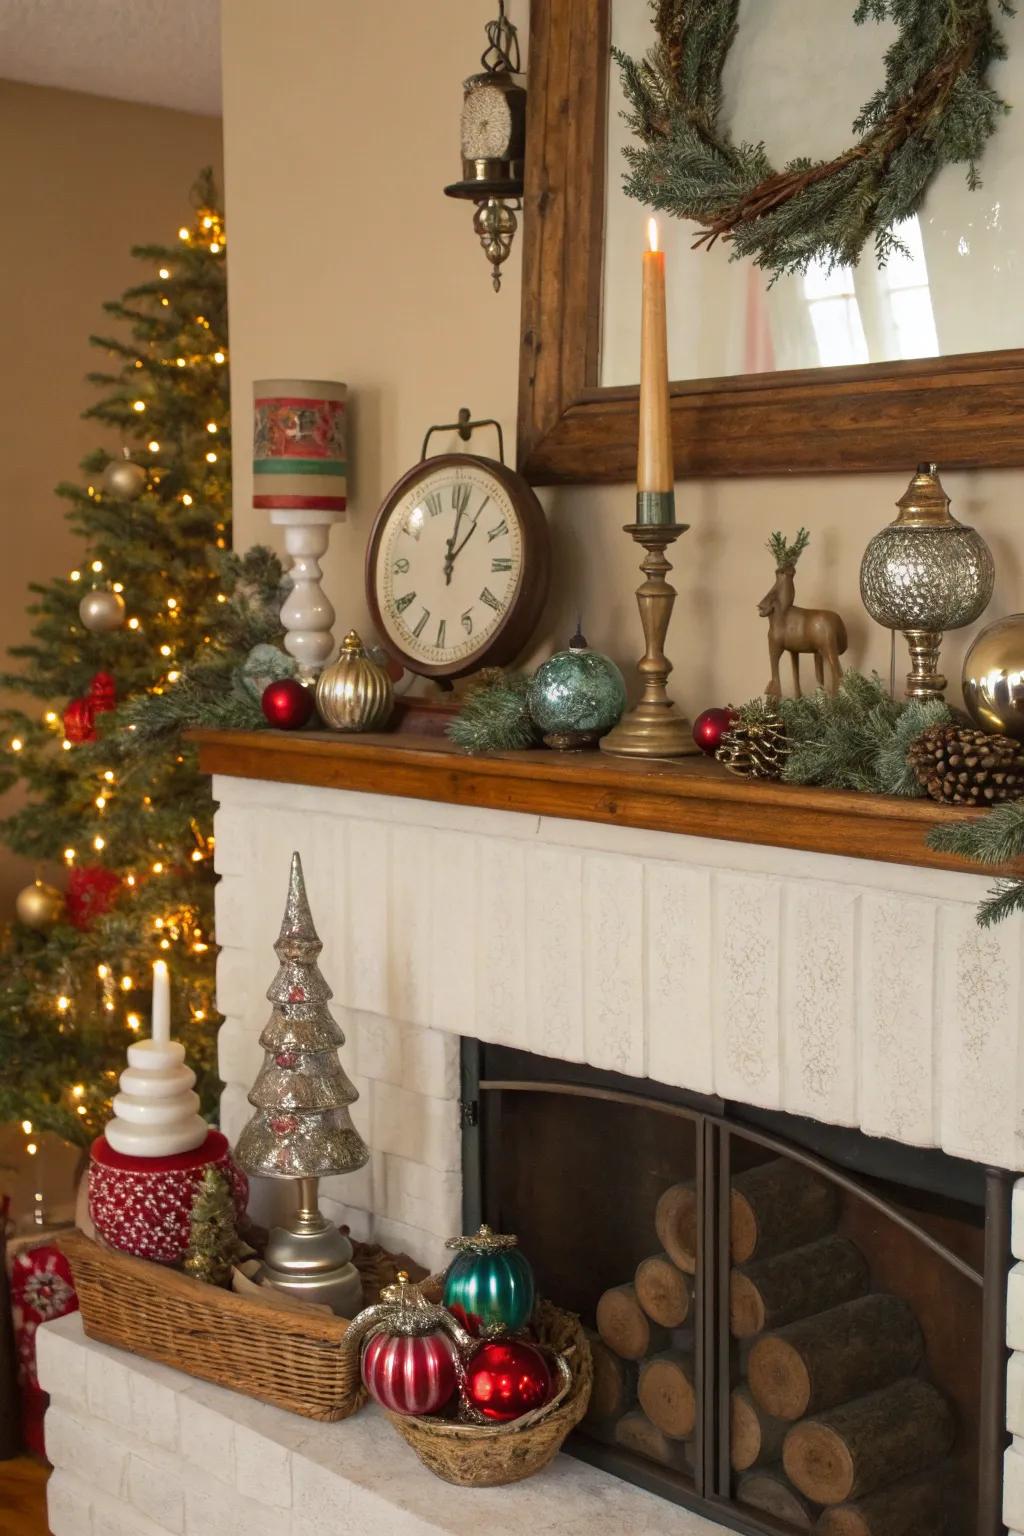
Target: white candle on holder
160,1017
156,1112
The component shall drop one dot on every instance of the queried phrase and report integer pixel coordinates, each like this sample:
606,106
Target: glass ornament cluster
466,1357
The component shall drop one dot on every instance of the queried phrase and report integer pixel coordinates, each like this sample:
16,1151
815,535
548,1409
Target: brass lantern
493,141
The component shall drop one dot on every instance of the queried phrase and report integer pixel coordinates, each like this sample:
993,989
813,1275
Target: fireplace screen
787,1340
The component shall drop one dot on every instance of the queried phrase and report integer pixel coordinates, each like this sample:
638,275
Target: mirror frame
965,411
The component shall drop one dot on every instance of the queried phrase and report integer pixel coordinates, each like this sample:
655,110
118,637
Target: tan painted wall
347,262
82,179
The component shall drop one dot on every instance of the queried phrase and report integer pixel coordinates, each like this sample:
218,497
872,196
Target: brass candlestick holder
655,728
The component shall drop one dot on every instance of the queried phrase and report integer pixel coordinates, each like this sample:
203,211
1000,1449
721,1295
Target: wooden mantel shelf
693,796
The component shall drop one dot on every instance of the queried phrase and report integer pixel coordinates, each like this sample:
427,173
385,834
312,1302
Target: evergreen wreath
935,108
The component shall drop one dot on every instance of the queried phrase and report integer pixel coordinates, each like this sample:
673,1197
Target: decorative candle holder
655,728
300,476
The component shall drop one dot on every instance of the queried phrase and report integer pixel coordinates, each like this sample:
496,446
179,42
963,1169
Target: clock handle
465,428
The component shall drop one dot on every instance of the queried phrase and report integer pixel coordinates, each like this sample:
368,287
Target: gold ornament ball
39,905
993,677
354,693
101,610
123,479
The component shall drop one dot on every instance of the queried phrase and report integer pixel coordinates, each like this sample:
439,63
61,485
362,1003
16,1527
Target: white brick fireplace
853,992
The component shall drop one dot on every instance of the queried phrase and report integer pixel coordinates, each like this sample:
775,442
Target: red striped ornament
411,1374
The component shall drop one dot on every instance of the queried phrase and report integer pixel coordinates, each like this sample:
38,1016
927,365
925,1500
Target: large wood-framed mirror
919,395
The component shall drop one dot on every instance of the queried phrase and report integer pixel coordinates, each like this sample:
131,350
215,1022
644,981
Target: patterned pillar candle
299,476
299,457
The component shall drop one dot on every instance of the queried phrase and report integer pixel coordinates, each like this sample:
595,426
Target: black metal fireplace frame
489,1070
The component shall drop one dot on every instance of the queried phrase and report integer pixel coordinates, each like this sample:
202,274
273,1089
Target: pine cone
959,765
755,750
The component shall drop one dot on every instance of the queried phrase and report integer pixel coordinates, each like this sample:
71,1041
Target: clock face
448,565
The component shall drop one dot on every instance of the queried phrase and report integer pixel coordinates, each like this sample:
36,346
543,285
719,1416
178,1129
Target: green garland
935,108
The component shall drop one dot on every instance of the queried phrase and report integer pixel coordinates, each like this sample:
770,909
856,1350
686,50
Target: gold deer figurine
800,631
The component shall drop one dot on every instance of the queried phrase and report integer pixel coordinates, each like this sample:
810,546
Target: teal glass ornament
488,1286
576,697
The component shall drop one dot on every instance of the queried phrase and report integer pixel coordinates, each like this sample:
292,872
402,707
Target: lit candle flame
652,234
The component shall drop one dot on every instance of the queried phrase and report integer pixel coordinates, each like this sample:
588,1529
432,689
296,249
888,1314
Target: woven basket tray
291,1359
482,1456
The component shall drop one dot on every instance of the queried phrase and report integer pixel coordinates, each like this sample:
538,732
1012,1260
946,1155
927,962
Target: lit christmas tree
122,808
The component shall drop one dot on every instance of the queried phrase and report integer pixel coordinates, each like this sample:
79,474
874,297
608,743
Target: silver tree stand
302,1129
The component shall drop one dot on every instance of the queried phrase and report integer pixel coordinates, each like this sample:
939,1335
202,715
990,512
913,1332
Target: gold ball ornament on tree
123,479
101,610
39,905
993,677
354,693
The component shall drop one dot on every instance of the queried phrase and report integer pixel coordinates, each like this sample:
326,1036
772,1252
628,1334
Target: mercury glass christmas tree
302,1128
132,828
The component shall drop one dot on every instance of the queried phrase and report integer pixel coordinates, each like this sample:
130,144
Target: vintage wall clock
457,566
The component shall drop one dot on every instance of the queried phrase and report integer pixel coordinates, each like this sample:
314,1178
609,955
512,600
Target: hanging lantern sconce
493,142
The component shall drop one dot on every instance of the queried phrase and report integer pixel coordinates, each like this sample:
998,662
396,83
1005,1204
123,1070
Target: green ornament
576,697
489,1286
265,664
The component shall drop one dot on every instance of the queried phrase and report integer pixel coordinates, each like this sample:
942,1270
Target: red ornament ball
410,1375
80,721
90,892
103,693
710,727
507,1378
286,704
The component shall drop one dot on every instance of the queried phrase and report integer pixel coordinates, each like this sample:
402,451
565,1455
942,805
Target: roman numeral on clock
402,603
497,531
421,623
488,597
439,642
500,564
433,504
460,496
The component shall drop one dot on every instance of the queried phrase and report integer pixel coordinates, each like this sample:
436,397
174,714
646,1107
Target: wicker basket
482,1456
291,1359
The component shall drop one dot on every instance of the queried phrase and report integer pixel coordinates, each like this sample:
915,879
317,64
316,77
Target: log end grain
663,1290
677,1225
769,1491
667,1393
635,1432
624,1325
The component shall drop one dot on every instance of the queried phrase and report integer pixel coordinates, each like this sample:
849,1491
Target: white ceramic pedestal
306,613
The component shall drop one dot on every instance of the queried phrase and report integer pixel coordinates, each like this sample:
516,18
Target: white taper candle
160,1022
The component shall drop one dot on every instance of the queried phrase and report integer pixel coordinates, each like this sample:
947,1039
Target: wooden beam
694,797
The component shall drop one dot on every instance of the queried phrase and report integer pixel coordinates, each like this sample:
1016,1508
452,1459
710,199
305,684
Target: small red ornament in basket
506,1378
410,1363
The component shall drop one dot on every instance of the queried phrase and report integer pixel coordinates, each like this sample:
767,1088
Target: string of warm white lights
116,822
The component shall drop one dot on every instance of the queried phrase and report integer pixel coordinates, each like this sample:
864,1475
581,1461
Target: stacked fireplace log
834,1425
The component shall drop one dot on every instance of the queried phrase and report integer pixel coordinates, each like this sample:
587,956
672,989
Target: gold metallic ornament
354,693
993,677
102,610
39,905
123,479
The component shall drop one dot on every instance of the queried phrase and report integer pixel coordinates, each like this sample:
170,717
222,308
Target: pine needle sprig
494,716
